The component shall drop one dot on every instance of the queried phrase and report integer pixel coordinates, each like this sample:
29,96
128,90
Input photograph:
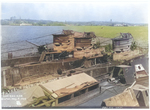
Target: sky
131,12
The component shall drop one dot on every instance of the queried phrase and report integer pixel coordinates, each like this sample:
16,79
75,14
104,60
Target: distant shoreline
22,25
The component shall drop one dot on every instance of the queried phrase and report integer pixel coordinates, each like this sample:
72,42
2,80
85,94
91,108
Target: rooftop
69,84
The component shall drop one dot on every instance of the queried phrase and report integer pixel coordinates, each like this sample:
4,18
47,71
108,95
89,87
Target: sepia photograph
74,54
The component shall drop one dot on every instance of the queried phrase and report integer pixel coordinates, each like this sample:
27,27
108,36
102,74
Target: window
65,98
93,87
57,44
79,49
79,92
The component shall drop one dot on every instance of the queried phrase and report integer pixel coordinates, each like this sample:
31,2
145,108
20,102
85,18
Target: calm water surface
14,37
20,33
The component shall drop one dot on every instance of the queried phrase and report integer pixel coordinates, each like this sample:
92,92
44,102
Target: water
21,33
14,38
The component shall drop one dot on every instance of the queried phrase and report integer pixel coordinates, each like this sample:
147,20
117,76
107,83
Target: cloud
78,11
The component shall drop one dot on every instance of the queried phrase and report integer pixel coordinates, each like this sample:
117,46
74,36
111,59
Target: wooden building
122,43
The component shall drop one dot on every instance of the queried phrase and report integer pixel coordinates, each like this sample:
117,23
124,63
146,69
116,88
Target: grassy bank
140,33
